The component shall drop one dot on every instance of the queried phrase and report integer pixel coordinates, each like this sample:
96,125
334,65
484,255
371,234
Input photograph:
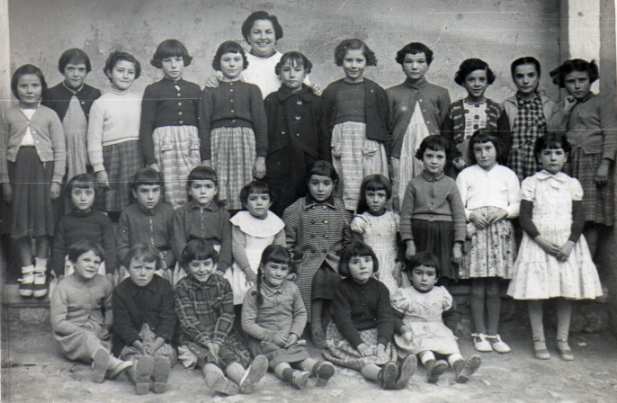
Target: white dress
422,314
257,234
538,275
380,233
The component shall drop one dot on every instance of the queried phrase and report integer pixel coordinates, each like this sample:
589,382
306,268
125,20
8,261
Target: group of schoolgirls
201,151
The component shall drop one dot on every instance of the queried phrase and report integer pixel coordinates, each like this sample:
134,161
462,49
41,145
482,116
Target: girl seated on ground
359,337
274,317
423,331
81,315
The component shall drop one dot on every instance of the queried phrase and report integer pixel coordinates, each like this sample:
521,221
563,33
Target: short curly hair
295,59
229,47
435,142
118,56
470,65
354,44
559,74
170,48
74,56
414,48
247,25
356,248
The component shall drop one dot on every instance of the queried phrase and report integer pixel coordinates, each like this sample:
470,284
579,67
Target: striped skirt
32,211
233,157
121,162
598,202
354,157
176,152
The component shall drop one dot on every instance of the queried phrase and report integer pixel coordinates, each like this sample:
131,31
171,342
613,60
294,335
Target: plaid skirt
354,157
32,212
233,157
121,162
436,237
492,252
340,352
176,151
598,202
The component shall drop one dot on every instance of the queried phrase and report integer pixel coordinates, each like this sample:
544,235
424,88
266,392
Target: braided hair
272,253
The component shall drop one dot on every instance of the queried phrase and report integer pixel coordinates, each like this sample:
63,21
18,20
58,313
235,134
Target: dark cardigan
58,98
376,110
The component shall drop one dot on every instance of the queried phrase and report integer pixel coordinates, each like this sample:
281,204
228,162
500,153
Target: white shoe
26,282
498,345
40,283
480,343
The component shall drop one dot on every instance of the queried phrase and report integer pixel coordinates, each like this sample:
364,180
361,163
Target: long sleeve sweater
114,118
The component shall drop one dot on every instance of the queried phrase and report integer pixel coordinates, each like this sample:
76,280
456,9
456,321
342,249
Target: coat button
178,95
299,103
325,221
298,117
179,113
297,134
231,90
181,122
283,132
180,103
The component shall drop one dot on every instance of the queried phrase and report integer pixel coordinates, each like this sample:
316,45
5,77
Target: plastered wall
497,31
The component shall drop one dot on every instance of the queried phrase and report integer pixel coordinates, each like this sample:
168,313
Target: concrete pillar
608,88
580,31
5,55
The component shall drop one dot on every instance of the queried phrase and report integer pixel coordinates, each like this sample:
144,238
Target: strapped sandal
564,350
26,282
540,350
39,286
498,345
480,343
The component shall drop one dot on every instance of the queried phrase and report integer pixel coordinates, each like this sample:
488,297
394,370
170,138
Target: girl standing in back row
355,116
170,120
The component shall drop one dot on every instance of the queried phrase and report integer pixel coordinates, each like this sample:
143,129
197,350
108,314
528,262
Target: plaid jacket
205,310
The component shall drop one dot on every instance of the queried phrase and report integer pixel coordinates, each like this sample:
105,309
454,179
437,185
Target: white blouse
497,187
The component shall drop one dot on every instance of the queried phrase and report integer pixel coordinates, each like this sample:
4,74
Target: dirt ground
34,371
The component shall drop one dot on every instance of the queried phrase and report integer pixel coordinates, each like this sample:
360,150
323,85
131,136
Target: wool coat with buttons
59,97
48,135
294,119
316,230
167,103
